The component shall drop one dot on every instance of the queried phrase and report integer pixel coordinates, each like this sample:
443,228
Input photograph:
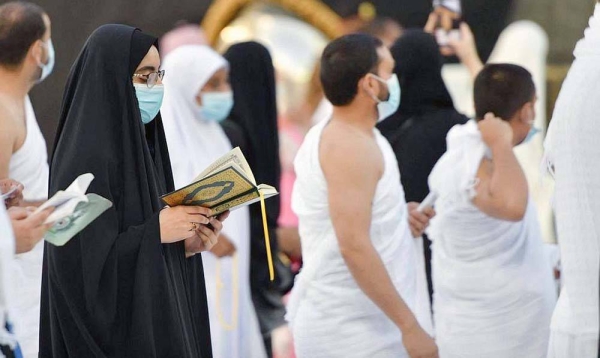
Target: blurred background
297,30
538,34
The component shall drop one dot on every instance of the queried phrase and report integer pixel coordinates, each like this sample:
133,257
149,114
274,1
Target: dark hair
21,24
502,89
344,62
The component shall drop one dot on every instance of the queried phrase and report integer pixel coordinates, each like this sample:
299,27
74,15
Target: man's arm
352,168
502,191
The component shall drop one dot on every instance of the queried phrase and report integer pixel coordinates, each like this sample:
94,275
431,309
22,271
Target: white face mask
49,65
390,106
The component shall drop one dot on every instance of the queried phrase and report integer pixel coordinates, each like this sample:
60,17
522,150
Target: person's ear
525,113
36,51
367,83
199,98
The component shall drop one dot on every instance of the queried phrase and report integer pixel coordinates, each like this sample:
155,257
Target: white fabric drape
29,166
194,144
7,279
329,314
493,289
572,151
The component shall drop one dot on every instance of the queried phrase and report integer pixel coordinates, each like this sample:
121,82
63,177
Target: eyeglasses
151,78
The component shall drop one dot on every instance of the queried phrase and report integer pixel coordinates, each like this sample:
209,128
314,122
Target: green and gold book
227,184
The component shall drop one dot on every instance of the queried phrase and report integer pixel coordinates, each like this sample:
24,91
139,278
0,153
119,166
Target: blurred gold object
295,33
367,11
222,12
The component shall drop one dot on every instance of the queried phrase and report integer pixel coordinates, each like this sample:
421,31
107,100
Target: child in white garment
493,289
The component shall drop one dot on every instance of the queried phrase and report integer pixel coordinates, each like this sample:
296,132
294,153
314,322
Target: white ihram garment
572,150
29,166
329,314
493,288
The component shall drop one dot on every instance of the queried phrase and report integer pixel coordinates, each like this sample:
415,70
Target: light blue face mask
532,132
150,100
49,65
391,105
216,106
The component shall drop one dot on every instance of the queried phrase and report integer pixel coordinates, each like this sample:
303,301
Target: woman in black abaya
130,284
417,131
254,128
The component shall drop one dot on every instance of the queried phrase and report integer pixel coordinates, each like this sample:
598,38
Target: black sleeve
236,135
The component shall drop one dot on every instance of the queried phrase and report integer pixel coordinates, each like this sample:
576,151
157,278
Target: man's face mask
533,131
49,65
390,106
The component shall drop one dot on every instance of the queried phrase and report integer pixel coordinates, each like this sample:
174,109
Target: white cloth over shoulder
29,166
329,314
493,289
194,144
572,151
7,280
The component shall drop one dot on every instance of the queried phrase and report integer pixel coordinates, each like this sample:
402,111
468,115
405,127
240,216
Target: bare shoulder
7,123
346,149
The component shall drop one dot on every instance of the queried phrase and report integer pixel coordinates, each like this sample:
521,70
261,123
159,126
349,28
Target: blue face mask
150,100
49,65
391,105
532,132
216,106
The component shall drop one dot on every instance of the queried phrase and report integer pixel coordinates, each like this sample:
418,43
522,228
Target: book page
234,156
65,202
212,190
80,217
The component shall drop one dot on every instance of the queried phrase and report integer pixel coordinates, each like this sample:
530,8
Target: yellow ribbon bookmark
267,239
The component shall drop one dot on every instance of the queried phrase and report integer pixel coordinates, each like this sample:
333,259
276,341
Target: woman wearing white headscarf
197,98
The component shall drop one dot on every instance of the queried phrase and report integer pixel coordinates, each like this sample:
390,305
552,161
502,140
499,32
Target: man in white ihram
573,155
355,294
26,58
493,289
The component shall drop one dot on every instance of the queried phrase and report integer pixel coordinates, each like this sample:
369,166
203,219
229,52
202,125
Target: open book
74,210
227,184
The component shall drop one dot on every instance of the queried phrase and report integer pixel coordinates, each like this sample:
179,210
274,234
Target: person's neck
359,115
14,83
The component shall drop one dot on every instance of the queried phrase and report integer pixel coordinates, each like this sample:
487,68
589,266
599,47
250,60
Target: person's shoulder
7,123
348,147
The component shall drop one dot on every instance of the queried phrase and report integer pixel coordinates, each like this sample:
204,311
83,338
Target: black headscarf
417,131
252,78
426,111
114,289
419,69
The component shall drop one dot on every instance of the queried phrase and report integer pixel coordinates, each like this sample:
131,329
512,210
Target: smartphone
443,37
